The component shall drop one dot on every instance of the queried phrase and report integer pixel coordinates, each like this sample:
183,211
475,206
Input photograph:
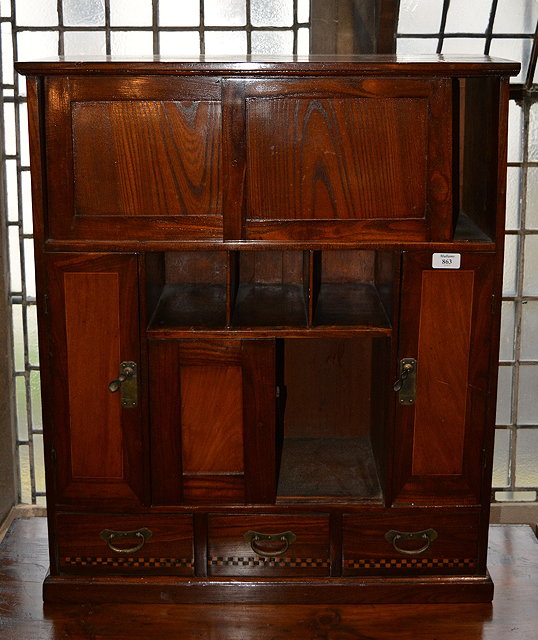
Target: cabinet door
448,327
212,405
93,327
134,159
347,158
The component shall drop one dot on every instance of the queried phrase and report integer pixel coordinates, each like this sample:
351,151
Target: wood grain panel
212,419
147,158
92,320
442,377
343,158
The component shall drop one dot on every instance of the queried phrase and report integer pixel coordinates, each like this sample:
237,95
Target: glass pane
24,149
7,53
12,192
272,42
508,315
27,221
531,209
34,45
225,42
527,410
14,259
175,14
22,417
515,16
527,458
179,43
303,41
515,496
5,9
36,14
131,43
529,331
511,245
29,268
90,13
530,276
33,345
225,13
533,132
468,17
35,394
515,132
24,470
513,49
513,198
464,45
417,45
10,143
39,466
133,13
504,396
420,16
18,337
303,10
501,458
84,43
278,13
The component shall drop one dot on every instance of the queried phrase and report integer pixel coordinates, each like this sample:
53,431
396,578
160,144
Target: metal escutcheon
254,538
111,537
424,538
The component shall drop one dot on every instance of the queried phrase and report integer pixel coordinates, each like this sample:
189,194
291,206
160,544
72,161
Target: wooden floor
513,563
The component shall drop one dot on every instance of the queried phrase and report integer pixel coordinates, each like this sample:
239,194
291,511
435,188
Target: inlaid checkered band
256,561
411,563
132,563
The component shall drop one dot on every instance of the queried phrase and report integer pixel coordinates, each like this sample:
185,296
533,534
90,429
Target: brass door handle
126,381
110,537
425,537
406,384
282,539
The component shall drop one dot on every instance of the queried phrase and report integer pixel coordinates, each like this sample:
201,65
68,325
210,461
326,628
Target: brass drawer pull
110,537
426,537
254,537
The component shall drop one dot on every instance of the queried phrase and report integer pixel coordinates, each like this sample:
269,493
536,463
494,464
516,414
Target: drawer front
407,542
125,544
268,545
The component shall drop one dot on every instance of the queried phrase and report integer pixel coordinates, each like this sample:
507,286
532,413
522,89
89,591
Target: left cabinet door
92,326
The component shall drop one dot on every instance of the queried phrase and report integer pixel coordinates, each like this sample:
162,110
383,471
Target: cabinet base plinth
168,590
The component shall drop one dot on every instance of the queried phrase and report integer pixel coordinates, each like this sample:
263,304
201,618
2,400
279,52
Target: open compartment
332,430
352,288
271,289
187,289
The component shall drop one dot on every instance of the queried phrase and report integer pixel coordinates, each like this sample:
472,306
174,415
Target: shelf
187,306
268,305
350,305
329,469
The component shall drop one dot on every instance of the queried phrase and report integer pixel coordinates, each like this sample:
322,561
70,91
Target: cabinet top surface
456,65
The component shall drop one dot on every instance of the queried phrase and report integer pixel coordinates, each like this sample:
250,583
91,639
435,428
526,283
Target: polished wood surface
513,563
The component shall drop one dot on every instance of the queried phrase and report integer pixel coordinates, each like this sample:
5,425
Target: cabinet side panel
442,377
93,355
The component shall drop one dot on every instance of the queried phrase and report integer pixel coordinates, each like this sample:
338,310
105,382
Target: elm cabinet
268,297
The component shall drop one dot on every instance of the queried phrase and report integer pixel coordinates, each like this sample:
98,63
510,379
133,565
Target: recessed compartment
331,431
268,545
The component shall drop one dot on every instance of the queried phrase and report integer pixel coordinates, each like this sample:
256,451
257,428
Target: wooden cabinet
269,311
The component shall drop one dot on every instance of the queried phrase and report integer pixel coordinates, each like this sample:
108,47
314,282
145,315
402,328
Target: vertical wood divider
232,285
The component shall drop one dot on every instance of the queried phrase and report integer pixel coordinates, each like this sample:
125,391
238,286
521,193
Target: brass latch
127,382
406,385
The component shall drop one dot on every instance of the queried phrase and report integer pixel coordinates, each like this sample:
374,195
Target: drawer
404,541
268,545
125,544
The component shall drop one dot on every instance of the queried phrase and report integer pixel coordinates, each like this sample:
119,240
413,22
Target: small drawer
268,545
404,541
127,544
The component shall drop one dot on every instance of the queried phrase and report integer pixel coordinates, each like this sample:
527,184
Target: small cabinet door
92,316
448,326
212,406
338,158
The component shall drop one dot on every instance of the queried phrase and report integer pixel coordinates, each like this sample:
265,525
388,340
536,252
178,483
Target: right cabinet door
447,324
